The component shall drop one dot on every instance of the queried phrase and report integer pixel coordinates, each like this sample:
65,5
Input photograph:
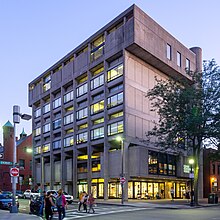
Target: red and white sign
14,171
122,180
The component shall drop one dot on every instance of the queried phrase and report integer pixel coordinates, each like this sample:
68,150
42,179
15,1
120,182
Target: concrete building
94,94
24,159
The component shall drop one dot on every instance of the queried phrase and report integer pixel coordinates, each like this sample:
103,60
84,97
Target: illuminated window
83,126
38,150
37,131
46,83
46,108
82,167
97,133
56,124
68,119
97,107
69,109
68,141
71,130
96,165
37,113
115,128
97,49
56,103
187,64
98,81
57,144
115,100
68,97
82,138
96,72
46,148
83,113
46,128
115,72
98,121
81,90
116,115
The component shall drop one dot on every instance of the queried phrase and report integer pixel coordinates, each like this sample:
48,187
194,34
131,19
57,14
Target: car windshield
65,193
5,196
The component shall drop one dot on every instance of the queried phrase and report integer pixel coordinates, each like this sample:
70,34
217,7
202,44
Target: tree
189,113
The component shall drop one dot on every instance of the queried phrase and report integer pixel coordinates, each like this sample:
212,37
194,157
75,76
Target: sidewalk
6,215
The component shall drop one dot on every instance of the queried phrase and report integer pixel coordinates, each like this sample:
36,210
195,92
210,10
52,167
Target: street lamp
122,179
16,120
191,162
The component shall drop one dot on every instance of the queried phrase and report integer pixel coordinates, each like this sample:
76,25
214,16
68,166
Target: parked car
6,201
20,194
31,193
68,197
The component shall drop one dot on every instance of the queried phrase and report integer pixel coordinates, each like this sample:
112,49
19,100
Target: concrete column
105,170
126,169
74,173
198,52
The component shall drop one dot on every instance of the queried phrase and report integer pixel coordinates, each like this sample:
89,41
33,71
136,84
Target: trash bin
213,198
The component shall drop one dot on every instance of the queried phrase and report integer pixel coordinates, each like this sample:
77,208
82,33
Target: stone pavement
6,215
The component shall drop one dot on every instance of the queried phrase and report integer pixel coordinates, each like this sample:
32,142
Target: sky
35,34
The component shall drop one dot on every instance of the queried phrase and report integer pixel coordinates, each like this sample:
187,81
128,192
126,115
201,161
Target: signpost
14,172
122,180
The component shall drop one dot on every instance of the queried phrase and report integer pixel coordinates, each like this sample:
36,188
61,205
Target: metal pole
122,171
192,194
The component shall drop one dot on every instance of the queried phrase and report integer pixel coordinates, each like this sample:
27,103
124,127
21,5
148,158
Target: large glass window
152,162
37,113
97,49
46,148
97,107
115,128
68,119
46,83
115,72
98,81
37,131
82,137
83,113
187,64
82,167
116,115
81,90
57,103
57,144
168,52
68,141
46,128
46,108
178,59
56,124
97,133
37,150
115,100
98,121
68,97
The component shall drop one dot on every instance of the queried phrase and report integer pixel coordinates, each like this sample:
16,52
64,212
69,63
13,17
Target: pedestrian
172,193
81,200
0,192
91,202
85,197
48,206
187,195
42,198
61,204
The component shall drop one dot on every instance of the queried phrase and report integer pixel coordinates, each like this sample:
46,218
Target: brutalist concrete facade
96,93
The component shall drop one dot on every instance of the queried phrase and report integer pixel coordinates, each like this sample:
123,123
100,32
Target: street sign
186,168
14,171
2,149
122,180
5,162
191,175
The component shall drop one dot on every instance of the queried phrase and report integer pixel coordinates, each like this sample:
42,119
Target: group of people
85,199
49,202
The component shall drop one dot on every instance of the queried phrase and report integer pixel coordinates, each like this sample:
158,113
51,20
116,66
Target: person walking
42,198
172,193
91,202
48,206
81,200
61,204
85,197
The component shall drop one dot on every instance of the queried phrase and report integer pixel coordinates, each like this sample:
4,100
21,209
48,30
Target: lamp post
191,162
16,120
122,179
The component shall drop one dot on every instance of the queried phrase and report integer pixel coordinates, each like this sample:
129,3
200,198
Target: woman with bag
48,201
91,202
61,204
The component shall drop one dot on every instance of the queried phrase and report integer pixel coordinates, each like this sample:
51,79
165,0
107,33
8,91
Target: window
213,168
98,96
46,128
68,141
98,121
71,130
96,165
37,113
57,103
57,144
37,150
69,109
68,119
115,128
116,115
46,108
115,72
169,52
97,49
81,138
97,71
115,100
116,88
97,107
98,81
178,59
68,97
83,103
97,133
82,167
83,113
83,126
37,131
46,148
82,78
46,83
218,169
187,64
152,162
56,124
82,90
22,163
